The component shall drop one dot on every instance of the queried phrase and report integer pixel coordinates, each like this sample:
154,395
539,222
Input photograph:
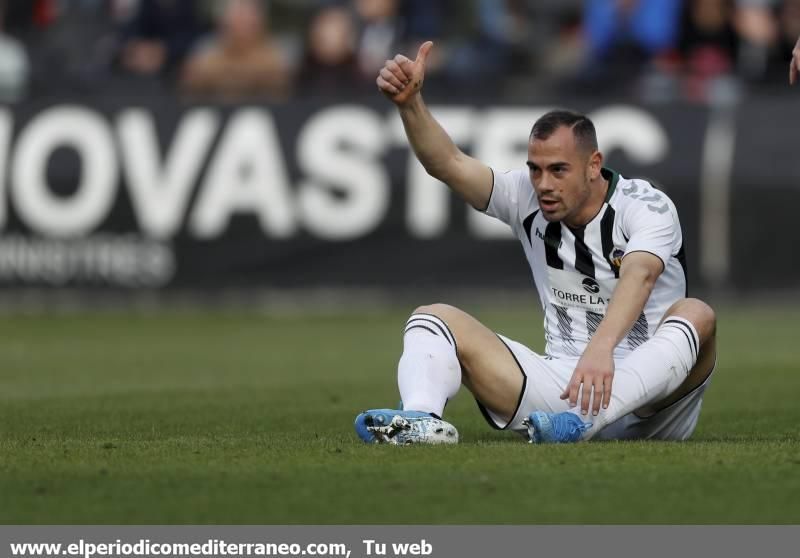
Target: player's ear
595,164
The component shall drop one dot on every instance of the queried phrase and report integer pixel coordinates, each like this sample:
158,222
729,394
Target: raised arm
401,81
794,65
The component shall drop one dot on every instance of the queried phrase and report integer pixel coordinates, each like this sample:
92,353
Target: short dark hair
582,128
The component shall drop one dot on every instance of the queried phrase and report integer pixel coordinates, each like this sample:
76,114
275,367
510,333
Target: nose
543,186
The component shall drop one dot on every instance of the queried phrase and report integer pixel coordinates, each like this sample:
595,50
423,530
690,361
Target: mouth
548,205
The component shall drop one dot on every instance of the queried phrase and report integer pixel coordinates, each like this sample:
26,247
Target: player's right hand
591,380
400,78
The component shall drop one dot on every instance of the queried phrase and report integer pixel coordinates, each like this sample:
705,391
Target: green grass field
224,417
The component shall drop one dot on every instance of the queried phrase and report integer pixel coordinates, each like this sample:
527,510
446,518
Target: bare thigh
489,370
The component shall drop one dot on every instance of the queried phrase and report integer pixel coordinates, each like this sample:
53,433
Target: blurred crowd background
274,50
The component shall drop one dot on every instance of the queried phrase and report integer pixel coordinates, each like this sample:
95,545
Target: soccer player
627,355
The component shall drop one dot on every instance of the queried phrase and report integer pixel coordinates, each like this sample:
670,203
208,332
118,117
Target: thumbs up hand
400,78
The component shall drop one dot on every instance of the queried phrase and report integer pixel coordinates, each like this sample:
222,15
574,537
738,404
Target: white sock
429,372
650,373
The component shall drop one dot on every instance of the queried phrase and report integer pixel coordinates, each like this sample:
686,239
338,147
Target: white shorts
545,379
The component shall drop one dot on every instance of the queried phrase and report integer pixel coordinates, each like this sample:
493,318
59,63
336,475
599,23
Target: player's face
560,174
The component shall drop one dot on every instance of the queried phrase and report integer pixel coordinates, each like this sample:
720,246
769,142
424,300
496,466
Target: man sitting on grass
607,257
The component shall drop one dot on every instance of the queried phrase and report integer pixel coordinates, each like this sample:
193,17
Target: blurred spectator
423,20
75,43
651,48
493,48
624,36
158,36
14,64
709,41
242,60
757,29
708,45
330,65
379,34
555,41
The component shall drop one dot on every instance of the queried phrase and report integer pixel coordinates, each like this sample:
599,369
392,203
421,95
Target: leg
676,360
487,367
442,348
704,320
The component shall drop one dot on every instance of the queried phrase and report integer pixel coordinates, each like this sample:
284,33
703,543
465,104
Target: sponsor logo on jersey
593,303
575,290
590,285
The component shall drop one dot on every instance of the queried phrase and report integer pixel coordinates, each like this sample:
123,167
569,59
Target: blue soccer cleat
555,428
394,426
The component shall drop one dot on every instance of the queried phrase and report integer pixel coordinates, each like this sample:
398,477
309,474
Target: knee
444,312
700,314
454,320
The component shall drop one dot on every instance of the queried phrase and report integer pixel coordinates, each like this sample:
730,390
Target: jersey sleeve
653,226
504,200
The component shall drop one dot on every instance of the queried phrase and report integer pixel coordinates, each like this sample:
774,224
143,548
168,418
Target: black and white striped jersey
576,270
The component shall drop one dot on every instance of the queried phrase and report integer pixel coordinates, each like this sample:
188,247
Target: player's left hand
592,378
794,65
